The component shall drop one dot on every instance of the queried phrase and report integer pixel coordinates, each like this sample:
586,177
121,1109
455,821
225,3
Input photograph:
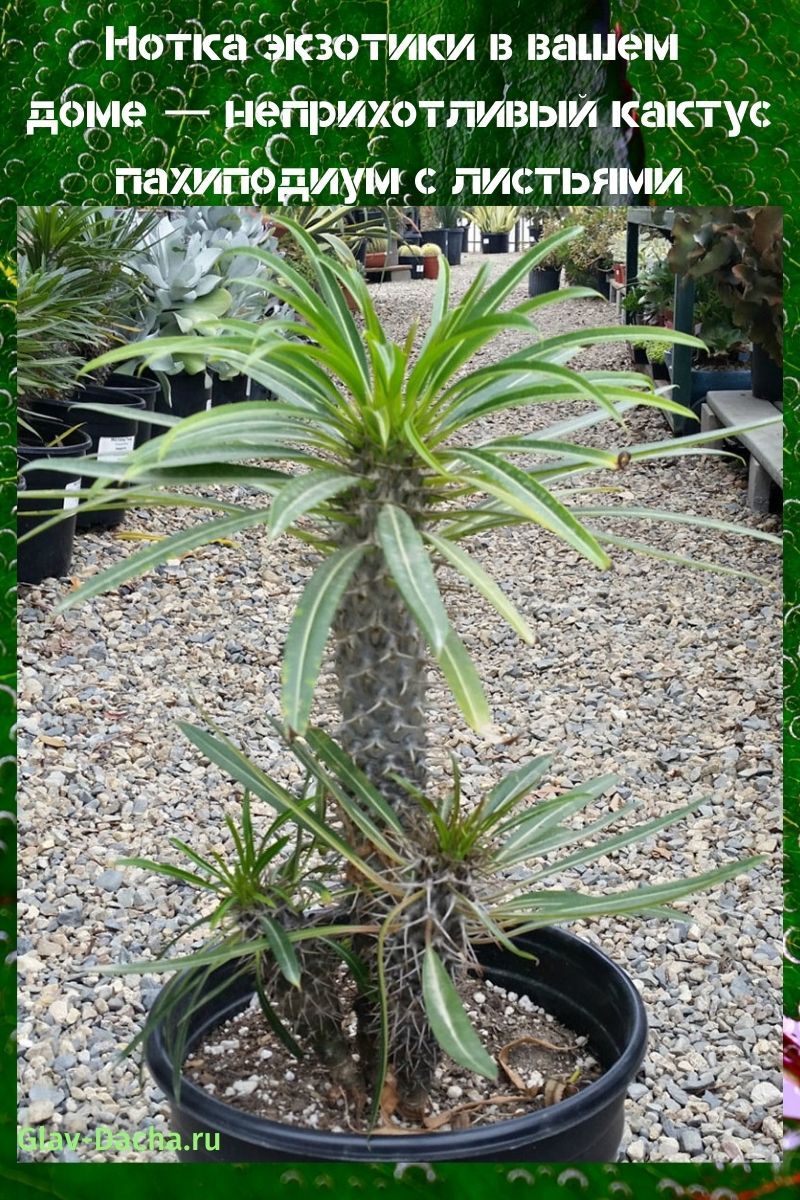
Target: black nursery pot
49,554
572,980
439,237
112,436
415,263
455,245
228,391
494,243
542,280
189,394
145,386
767,377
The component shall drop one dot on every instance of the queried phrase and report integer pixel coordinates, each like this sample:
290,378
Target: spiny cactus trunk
380,657
413,1050
381,666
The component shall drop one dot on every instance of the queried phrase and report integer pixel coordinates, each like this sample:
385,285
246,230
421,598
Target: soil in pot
243,1063
571,980
49,554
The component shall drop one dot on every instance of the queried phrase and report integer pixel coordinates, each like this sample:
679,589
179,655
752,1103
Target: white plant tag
112,449
72,501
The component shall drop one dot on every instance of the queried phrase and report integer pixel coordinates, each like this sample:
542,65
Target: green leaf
282,949
169,547
302,494
523,494
449,1022
308,633
476,575
190,315
326,749
516,784
560,906
459,671
410,565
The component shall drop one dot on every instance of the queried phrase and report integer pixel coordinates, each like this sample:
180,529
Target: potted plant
411,256
589,259
78,292
495,223
546,275
448,216
431,257
742,250
724,365
389,880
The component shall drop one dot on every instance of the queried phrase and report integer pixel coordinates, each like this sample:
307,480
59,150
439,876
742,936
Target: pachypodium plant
393,475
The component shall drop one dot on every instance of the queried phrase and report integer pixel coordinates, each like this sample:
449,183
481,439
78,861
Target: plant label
72,501
112,449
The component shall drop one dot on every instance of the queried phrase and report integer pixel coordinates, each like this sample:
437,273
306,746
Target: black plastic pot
438,237
49,554
228,391
112,437
542,280
415,264
602,284
464,239
145,386
534,232
767,377
494,243
571,979
455,245
188,394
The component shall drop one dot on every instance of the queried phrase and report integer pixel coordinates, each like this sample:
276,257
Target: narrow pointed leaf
410,565
449,1022
282,950
523,494
459,671
302,494
475,574
308,633
169,547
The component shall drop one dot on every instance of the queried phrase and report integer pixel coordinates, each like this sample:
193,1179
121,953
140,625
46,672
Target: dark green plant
741,249
79,292
591,253
389,486
448,216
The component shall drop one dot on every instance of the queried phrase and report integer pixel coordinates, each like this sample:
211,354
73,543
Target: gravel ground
669,677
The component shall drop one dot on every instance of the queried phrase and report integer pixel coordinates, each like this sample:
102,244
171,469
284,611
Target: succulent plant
493,218
388,489
742,250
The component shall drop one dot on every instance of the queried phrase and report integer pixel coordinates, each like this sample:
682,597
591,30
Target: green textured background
739,50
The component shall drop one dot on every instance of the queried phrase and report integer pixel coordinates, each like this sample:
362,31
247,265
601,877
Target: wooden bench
726,409
389,274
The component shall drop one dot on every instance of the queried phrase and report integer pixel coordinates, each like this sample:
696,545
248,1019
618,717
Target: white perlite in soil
668,677
244,1065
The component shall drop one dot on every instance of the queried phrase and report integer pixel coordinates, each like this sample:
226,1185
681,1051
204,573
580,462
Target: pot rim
216,1115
